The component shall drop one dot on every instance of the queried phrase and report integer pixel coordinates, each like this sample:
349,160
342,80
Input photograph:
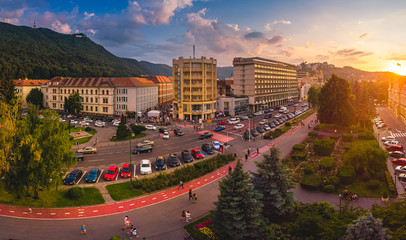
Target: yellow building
24,87
165,88
194,88
397,97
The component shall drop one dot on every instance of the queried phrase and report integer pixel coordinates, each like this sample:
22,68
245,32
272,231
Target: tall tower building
194,88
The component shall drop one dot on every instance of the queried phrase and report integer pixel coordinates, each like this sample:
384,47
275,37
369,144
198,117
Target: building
265,82
102,96
397,97
225,87
194,88
232,106
24,87
165,88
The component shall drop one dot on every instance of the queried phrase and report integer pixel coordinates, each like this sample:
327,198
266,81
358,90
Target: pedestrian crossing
218,137
398,134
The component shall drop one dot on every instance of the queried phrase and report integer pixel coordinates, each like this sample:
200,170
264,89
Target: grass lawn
128,138
190,228
74,129
359,187
52,198
85,139
123,190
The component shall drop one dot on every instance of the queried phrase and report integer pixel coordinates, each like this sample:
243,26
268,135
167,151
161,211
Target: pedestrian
254,139
29,210
188,216
257,150
230,169
127,223
235,155
194,197
190,194
94,143
180,184
83,230
246,157
183,215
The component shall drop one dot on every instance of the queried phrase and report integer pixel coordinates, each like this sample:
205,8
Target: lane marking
67,213
132,204
198,183
81,212
154,198
52,213
101,173
174,192
95,210
143,201
12,211
39,213
120,206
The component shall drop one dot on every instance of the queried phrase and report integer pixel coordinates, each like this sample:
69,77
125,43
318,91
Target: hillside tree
36,97
73,104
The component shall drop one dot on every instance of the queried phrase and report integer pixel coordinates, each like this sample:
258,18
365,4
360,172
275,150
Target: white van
233,120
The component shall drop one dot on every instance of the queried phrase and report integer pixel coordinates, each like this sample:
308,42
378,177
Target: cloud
320,57
282,21
275,39
362,36
233,26
88,15
352,52
61,27
254,35
308,44
160,11
268,27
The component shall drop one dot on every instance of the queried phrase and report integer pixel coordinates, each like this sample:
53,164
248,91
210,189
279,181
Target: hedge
327,163
186,173
324,147
287,124
346,174
75,193
273,134
334,136
389,180
348,137
373,184
299,156
311,182
330,188
366,136
298,147
312,134
309,168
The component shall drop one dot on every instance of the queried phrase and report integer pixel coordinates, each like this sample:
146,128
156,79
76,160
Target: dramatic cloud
61,27
275,39
396,57
352,52
362,36
233,26
160,11
254,35
282,21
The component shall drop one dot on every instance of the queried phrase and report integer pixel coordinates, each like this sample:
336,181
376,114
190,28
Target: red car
399,161
197,154
222,123
111,173
126,171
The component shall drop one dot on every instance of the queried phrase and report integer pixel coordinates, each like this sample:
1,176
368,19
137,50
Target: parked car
173,160
87,119
219,128
206,135
216,145
388,138
272,125
260,129
197,154
396,154
233,120
399,161
239,126
250,115
87,150
208,148
146,142
142,149
79,156
259,113
222,123
268,115
254,133
186,156
100,124
145,167
93,175
266,127
116,124
395,148
162,130
150,127
165,135
73,121
178,132
263,121
111,173
242,118
247,135
126,170
73,177
390,143
400,169
160,163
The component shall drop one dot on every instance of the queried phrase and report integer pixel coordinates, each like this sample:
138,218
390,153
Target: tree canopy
36,97
73,104
313,96
366,227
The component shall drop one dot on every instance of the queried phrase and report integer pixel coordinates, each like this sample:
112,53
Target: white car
145,167
263,121
100,124
87,119
278,115
150,127
233,120
73,122
239,126
258,113
84,123
165,135
400,169
390,143
388,138
62,120
266,127
116,123
216,145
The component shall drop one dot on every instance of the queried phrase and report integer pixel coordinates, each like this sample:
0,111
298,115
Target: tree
271,181
73,104
313,96
7,86
336,102
393,217
36,97
238,212
366,227
122,130
137,129
364,104
8,130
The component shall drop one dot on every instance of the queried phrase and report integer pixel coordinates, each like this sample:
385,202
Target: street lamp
340,196
131,166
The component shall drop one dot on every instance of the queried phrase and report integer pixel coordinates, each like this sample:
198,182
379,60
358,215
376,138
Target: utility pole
131,166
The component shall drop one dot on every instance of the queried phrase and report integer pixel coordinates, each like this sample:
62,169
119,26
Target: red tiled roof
160,79
101,82
30,82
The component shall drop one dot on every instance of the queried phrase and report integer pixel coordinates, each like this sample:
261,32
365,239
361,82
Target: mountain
157,69
40,53
224,72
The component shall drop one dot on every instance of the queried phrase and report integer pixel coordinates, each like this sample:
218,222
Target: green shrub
298,147
287,124
317,127
346,174
327,163
309,168
299,156
313,134
324,147
88,129
332,180
366,136
373,184
137,184
71,138
348,137
389,181
334,136
75,193
137,129
329,188
311,182
273,134
347,146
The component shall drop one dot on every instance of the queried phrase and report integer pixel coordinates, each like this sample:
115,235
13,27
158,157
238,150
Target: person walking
127,222
190,194
229,169
183,215
180,184
83,230
246,157
194,198
258,150
188,216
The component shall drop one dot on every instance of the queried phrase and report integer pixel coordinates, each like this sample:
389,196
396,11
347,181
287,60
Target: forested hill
43,54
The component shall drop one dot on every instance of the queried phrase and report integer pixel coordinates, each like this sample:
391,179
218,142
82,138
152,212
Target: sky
365,34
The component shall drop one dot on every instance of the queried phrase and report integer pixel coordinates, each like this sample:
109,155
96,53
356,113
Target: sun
397,68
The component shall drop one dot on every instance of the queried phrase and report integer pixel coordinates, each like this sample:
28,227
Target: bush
348,137
137,129
373,184
75,193
287,124
311,182
71,138
299,156
366,136
332,180
324,147
309,168
327,163
329,188
317,127
389,180
313,134
334,136
88,129
298,147
137,184
346,174
273,134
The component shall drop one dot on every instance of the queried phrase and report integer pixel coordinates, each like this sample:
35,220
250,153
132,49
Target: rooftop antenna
35,26
194,52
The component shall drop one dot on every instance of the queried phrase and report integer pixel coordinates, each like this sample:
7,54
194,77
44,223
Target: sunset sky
369,35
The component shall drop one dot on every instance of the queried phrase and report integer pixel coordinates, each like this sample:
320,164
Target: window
105,100
91,99
91,108
61,98
95,108
54,105
65,91
95,92
87,99
54,90
95,99
87,91
61,105
68,91
107,92
82,91
91,91
105,109
47,89
54,98
87,108
102,92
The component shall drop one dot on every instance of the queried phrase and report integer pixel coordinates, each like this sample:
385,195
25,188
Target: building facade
165,88
232,106
397,97
265,82
194,88
24,87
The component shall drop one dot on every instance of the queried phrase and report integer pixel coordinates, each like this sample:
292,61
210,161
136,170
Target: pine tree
238,213
122,130
7,87
367,227
271,181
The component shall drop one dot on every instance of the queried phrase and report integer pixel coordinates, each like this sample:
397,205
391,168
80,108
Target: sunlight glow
395,68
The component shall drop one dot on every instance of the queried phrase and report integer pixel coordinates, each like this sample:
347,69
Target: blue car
93,175
219,128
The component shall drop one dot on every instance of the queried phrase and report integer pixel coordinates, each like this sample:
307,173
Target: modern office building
397,97
194,88
265,82
24,87
165,88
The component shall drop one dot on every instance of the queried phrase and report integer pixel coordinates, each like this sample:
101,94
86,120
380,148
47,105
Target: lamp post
131,166
339,195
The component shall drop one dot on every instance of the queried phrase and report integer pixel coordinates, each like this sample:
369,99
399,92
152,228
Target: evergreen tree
36,97
366,227
73,104
122,130
313,96
271,181
7,86
238,213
